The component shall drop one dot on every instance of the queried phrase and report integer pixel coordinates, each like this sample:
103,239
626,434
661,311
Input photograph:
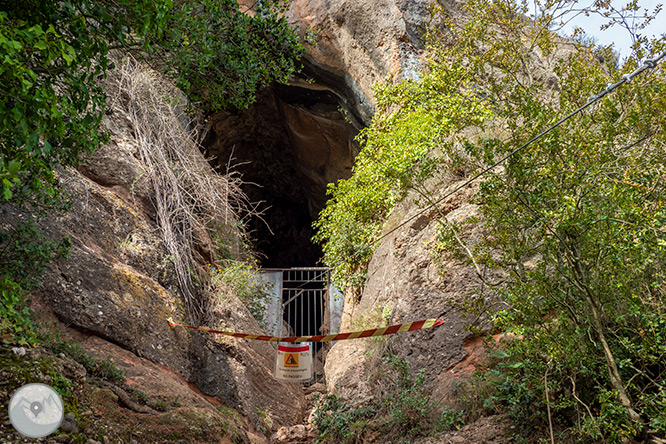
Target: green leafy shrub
15,317
54,56
576,219
23,255
220,56
573,219
413,119
450,419
243,280
53,107
401,410
54,53
342,422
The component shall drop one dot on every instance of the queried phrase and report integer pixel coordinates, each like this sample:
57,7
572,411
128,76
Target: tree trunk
613,372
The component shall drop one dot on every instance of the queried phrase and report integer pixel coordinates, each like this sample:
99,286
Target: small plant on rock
242,280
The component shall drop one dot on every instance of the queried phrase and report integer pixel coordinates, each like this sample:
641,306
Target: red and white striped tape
382,331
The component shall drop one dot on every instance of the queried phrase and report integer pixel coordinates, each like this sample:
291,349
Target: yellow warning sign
294,362
291,360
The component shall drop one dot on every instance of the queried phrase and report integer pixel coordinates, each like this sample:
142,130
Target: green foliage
407,405
54,52
61,384
51,107
243,280
220,56
100,368
338,421
264,421
15,318
24,252
450,419
400,411
23,255
576,219
413,119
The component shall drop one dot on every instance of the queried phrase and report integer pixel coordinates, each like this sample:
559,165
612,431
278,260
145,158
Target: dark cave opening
288,146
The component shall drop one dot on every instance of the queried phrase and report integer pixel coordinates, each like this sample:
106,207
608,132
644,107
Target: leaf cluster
51,106
413,121
576,218
401,410
242,280
220,57
54,53
24,253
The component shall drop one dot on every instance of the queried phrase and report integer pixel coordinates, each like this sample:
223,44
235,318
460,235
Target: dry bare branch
191,200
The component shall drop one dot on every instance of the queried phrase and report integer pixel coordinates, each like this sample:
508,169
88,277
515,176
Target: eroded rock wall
361,42
118,283
367,41
408,281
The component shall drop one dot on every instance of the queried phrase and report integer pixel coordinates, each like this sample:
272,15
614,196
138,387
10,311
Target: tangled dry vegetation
193,203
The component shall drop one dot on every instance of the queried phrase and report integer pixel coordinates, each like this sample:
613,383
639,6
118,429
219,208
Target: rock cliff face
406,282
297,139
118,287
358,44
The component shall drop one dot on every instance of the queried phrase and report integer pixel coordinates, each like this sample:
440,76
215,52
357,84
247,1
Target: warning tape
382,331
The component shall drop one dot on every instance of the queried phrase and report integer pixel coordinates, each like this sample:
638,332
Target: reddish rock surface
118,283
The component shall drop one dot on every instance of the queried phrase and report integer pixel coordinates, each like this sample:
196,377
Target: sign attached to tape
294,362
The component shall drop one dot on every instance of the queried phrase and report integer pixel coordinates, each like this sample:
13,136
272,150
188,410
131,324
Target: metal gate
305,303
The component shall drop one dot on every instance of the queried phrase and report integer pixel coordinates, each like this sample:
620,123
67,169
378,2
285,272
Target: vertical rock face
361,42
118,283
406,282
358,44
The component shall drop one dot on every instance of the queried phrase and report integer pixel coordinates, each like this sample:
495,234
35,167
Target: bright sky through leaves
616,35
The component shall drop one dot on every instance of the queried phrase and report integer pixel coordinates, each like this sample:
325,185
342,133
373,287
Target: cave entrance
288,146
304,303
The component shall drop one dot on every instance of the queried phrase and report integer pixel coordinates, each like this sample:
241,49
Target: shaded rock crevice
288,147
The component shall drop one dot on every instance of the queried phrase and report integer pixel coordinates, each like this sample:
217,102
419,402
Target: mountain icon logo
36,410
